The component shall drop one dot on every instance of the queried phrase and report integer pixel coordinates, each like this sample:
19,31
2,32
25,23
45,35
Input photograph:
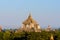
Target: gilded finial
51,38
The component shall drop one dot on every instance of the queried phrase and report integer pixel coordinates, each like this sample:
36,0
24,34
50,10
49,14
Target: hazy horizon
14,12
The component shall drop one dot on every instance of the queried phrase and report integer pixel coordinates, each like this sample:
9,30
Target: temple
48,28
30,25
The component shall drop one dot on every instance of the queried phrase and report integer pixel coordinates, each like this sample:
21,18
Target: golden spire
51,38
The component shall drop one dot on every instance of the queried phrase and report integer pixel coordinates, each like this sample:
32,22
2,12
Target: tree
1,35
7,35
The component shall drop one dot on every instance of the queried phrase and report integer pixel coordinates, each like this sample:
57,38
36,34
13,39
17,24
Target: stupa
30,25
48,28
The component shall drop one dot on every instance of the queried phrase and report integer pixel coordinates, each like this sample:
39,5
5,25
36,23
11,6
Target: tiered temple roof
30,24
29,20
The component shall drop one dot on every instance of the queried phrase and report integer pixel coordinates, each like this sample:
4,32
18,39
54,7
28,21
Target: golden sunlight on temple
30,25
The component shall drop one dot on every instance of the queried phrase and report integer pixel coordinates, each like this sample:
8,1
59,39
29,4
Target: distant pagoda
48,28
30,25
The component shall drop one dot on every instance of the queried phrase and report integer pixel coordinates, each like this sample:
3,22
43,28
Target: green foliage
38,36
19,34
1,35
8,35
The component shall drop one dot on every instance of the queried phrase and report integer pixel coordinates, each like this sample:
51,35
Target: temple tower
30,24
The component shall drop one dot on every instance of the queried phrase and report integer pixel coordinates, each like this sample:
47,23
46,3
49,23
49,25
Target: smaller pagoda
30,25
48,28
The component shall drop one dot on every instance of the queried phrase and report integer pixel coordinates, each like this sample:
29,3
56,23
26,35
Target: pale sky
14,12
